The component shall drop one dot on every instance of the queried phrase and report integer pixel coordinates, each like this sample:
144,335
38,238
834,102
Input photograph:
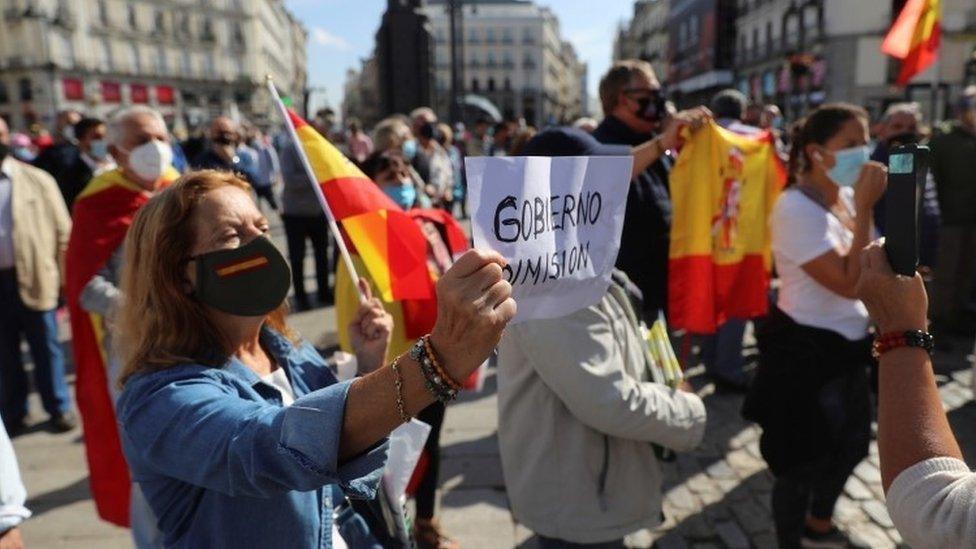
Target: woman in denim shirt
234,428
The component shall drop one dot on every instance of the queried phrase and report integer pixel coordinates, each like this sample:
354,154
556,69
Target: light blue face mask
848,165
99,149
404,194
409,148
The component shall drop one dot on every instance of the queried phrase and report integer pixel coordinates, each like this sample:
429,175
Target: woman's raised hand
474,304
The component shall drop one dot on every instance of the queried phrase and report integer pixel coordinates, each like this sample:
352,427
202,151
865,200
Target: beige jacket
41,226
577,416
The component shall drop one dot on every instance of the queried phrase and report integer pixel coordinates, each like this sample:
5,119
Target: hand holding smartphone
908,166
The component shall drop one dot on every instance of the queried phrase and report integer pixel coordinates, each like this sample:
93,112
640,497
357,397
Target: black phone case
908,167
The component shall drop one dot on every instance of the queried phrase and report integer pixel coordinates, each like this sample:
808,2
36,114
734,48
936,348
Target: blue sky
341,32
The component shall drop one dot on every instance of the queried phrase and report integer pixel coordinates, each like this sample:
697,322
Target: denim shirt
223,464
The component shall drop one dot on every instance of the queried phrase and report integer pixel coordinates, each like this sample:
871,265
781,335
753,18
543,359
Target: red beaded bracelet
893,340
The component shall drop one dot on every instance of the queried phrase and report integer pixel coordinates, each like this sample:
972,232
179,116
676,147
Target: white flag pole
318,190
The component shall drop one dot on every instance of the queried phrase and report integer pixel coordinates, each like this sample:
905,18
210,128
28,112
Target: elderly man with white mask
103,211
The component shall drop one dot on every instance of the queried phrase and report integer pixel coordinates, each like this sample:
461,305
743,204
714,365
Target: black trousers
813,488
297,230
426,497
267,193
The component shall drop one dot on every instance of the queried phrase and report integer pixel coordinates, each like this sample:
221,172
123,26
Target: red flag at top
915,37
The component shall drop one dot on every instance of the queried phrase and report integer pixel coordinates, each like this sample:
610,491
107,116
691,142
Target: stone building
514,56
191,59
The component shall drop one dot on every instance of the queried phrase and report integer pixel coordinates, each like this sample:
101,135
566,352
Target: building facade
514,57
701,49
191,59
801,53
645,36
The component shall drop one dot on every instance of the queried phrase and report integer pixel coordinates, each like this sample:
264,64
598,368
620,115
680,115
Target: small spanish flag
392,247
915,37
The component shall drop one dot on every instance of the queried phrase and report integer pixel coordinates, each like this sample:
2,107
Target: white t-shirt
803,230
279,380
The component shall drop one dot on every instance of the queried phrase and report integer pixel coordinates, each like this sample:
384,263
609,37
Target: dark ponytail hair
817,127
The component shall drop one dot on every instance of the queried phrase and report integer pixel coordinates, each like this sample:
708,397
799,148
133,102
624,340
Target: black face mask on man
652,108
251,280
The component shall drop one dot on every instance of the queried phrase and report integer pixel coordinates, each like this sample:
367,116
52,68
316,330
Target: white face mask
151,159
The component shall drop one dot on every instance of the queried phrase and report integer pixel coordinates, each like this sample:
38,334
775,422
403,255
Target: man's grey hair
907,107
115,128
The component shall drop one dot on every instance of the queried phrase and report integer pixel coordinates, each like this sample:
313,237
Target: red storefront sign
140,93
74,89
111,92
164,95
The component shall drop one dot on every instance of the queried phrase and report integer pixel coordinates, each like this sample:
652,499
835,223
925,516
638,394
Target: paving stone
682,498
765,541
878,513
848,511
867,472
671,540
856,489
731,535
753,517
870,534
720,470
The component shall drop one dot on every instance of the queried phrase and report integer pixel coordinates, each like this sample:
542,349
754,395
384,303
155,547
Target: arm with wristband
931,492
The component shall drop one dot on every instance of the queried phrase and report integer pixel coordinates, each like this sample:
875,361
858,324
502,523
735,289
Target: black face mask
251,280
653,108
906,138
224,140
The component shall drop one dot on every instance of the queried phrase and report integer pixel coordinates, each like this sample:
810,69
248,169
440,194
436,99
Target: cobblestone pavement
715,497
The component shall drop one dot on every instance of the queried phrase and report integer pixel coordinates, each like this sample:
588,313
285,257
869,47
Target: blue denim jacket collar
284,354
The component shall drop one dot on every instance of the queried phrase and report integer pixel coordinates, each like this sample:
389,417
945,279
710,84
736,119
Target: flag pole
340,242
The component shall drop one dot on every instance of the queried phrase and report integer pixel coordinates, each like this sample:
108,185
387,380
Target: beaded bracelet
911,338
398,382
437,364
434,382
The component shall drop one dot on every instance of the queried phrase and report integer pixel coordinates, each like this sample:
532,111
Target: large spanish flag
723,187
390,245
914,37
101,216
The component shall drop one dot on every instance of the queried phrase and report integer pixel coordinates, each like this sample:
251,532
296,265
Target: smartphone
908,166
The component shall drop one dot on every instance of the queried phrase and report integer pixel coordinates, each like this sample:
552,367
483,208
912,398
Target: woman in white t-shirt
811,394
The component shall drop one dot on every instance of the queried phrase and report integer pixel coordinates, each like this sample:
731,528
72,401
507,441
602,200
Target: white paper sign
406,444
556,220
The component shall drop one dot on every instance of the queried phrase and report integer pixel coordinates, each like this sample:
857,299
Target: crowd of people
237,432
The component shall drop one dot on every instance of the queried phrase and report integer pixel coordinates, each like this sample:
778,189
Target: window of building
507,35
106,55
755,42
162,64
208,64
682,35
693,30
4,95
237,34
103,13
508,84
475,85
491,84
206,30
742,47
472,35
769,37
490,35
66,49
160,21
132,19
135,62
25,89
186,64
491,59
